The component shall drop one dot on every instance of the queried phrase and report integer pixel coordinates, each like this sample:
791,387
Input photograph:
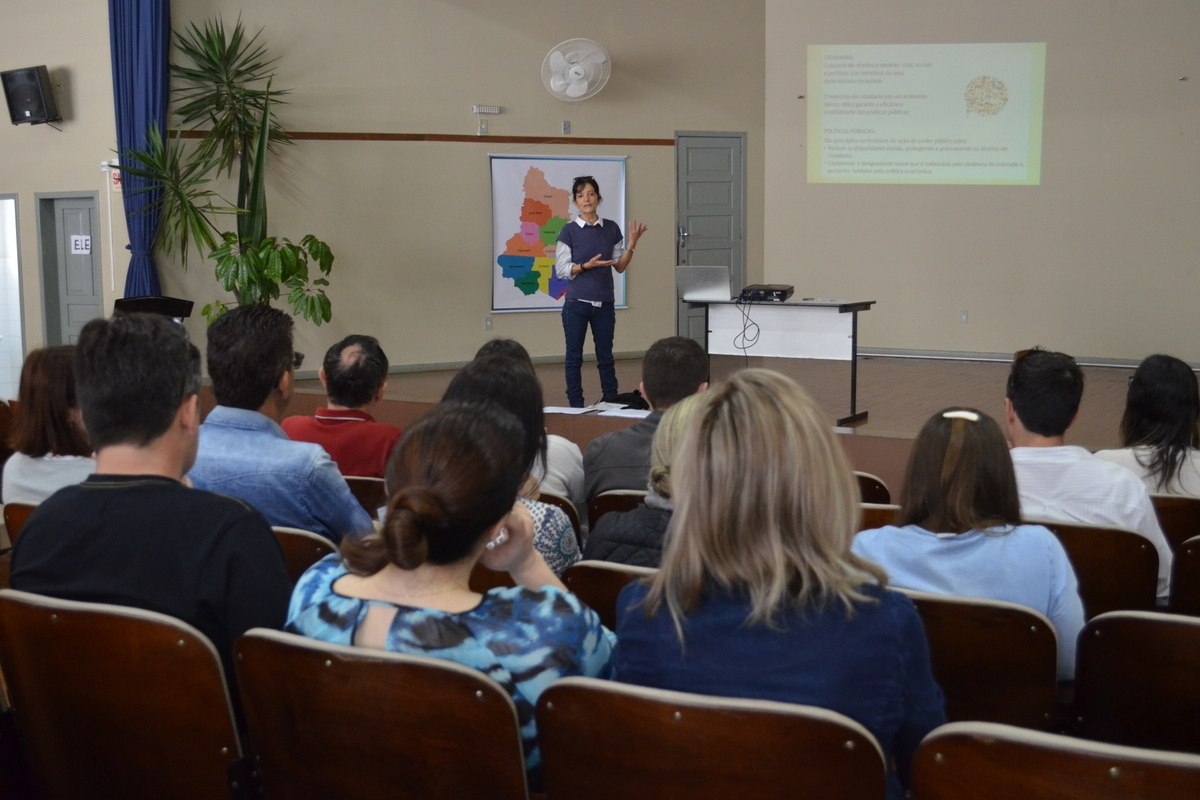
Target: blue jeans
576,316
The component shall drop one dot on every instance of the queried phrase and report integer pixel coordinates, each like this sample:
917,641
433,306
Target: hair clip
962,413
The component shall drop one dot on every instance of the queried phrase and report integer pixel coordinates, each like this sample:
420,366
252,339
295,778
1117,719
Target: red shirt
354,440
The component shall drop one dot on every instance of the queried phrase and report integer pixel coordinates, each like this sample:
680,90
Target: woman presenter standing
588,249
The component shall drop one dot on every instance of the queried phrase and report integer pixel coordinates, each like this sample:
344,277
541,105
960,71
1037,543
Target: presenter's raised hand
636,229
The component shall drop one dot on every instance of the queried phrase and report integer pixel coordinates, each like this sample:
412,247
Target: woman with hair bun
1159,430
959,530
406,588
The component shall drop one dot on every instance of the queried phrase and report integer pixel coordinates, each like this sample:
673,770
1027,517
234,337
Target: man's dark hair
509,348
132,372
673,368
1045,389
355,368
249,349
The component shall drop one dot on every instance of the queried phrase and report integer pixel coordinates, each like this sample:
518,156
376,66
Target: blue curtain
140,34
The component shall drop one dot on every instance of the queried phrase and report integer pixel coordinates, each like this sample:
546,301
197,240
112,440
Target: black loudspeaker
29,95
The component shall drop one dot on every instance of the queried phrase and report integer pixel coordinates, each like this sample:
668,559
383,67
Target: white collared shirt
1070,484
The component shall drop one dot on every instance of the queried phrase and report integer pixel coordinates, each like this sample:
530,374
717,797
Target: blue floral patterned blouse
520,638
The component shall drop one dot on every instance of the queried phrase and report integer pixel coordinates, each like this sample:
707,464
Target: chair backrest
1137,680
483,579
877,515
331,721
370,493
301,549
15,517
602,739
1178,516
116,701
556,499
1117,569
872,488
986,761
597,584
1185,578
995,661
613,500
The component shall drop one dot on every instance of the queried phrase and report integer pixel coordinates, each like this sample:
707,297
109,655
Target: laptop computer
703,284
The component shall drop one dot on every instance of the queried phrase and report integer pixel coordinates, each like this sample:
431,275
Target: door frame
47,248
737,274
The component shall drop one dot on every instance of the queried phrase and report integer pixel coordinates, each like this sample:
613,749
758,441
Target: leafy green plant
225,99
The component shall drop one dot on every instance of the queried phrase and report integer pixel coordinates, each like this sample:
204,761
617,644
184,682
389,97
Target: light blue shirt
246,455
1025,565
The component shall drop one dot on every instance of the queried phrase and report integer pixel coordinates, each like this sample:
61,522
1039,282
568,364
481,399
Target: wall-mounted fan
576,69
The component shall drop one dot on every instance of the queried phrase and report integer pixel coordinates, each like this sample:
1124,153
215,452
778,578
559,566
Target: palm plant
226,88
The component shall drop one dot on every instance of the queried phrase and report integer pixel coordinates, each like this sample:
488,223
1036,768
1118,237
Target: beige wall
1100,260
410,222
40,160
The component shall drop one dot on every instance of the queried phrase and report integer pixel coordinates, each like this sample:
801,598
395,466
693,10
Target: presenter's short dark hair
352,378
582,181
673,368
132,372
249,349
1045,389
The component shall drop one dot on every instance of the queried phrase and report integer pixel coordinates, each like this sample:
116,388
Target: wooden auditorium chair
872,488
1137,680
987,761
1178,516
15,517
1185,578
301,549
113,701
995,661
329,721
603,740
370,493
877,515
613,500
597,584
1117,569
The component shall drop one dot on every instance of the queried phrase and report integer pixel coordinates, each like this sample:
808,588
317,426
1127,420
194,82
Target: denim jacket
247,455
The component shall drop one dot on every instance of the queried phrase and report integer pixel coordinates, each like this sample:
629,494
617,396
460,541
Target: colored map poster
531,202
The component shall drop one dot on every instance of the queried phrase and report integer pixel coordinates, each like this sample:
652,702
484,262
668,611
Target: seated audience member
508,384
134,534
50,447
759,595
1062,482
673,368
354,376
1159,430
243,451
960,530
406,588
561,471
636,536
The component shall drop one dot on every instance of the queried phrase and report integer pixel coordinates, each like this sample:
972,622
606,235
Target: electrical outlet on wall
964,316
487,323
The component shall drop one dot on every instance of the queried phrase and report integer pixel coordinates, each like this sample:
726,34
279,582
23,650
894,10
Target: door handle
683,234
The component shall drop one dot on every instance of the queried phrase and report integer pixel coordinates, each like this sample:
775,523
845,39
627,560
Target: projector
766,293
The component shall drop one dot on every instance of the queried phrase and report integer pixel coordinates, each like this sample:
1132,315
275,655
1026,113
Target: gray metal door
73,281
710,209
